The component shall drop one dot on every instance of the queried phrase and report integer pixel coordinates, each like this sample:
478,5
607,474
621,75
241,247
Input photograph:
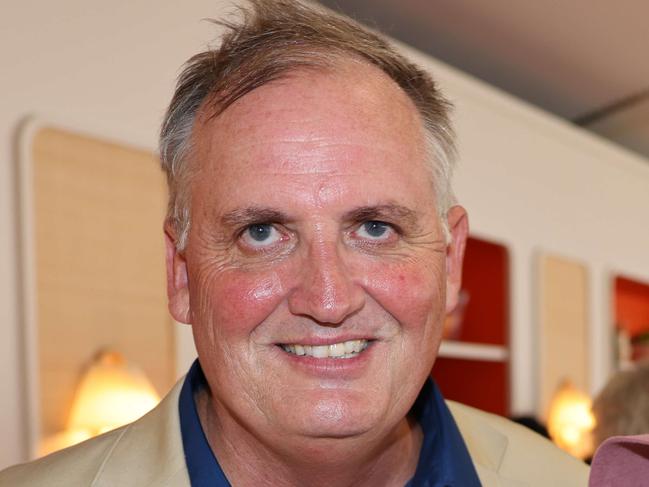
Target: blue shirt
444,460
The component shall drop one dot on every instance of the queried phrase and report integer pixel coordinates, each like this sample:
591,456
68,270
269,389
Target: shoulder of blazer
148,451
506,453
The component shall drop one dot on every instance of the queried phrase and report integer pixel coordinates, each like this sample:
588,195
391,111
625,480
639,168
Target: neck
286,462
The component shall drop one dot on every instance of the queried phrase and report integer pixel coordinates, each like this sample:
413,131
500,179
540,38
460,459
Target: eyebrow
393,213
252,215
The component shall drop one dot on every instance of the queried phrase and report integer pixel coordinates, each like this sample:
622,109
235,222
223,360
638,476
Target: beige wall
528,180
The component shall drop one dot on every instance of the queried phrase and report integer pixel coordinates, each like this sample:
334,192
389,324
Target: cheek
238,301
413,294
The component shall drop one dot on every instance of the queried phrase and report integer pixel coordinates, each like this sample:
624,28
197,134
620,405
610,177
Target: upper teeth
346,349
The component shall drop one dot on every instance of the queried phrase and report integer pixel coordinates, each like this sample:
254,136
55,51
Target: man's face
315,275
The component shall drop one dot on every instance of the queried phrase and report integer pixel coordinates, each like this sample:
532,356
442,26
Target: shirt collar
202,466
443,460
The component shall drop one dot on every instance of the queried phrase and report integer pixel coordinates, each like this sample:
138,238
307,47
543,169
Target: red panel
485,278
632,306
484,385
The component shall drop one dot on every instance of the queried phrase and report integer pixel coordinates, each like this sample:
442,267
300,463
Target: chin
339,415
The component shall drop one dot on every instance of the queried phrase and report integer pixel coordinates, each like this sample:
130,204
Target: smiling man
314,246
315,275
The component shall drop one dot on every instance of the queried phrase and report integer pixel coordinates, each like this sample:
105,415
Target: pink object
621,461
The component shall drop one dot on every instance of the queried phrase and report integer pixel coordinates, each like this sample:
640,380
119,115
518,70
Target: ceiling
584,60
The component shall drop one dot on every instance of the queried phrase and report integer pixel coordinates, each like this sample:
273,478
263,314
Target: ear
458,226
177,278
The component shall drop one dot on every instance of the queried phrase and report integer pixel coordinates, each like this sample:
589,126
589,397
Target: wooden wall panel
563,326
98,210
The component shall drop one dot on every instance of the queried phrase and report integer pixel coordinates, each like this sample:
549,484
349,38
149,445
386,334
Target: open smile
341,350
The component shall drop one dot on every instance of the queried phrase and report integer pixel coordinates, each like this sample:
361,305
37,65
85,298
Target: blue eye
260,235
261,232
375,230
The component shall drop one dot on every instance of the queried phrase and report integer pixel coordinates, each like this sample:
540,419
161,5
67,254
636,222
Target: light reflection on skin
267,287
315,157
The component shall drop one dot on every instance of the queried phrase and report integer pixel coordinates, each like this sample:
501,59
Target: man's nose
325,290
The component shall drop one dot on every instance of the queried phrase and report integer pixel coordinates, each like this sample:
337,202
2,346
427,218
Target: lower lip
334,368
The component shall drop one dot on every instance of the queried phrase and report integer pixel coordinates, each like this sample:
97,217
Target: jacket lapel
486,446
149,451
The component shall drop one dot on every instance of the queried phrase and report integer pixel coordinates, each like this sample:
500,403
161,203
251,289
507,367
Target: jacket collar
487,446
149,451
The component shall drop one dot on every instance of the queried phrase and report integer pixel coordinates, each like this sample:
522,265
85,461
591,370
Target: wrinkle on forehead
311,107
315,138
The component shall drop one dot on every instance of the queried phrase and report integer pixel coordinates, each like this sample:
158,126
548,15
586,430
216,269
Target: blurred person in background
622,407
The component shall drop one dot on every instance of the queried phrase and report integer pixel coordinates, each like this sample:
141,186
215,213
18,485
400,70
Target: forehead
317,128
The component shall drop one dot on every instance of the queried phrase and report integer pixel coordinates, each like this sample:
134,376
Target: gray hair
622,408
273,38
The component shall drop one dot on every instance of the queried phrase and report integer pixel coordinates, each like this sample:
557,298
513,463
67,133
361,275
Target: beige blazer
149,452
